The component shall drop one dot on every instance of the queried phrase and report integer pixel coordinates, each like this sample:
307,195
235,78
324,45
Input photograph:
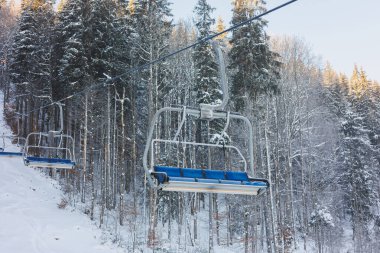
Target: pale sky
343,32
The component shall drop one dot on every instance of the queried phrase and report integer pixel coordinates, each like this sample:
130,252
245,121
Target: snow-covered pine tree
206,68
358,166
150,27
7,25
330,77
72,67
182,66
336,89
208,91
30,67
254,66
71,74
357,155
358,82
103,35
343,83
254,72
219,28
153,26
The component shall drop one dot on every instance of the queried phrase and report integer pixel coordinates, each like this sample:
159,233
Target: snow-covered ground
30,220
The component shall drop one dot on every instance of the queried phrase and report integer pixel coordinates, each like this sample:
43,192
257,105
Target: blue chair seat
208,179
10,154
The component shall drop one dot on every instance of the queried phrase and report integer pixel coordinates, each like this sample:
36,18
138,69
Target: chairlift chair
169,178
60,157
20,141
14,139
59,154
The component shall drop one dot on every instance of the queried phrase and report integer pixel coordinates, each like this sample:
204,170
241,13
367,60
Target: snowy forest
316,131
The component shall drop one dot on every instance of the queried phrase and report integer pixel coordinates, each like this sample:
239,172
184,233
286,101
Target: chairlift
19,141
172,178
12,139
53,149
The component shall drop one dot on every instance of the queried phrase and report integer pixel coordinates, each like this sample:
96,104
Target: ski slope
30,220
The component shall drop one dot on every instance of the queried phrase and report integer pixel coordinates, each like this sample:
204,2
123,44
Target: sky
343,32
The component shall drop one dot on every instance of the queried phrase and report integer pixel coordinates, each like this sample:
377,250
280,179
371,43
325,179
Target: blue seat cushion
193,173
215,174
236,175
165,174
170,171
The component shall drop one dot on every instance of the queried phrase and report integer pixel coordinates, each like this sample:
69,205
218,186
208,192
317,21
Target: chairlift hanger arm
223,80
60,130
181,124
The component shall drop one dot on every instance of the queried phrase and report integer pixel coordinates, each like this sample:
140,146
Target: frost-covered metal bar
60,130
199,144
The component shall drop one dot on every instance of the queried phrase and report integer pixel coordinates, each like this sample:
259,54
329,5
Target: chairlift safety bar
198,144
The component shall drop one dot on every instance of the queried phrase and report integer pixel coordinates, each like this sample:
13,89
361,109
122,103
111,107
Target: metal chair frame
218,182
68,162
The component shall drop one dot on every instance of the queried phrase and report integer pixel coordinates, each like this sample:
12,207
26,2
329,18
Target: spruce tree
149,27
355,86
253,65
72,62
206,68
153,25
30,65
357,176
357,156
103,35
219,28
329,75
7,25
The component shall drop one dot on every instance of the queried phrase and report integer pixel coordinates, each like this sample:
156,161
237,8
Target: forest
316,131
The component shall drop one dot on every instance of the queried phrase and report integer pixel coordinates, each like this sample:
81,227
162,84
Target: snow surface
30,220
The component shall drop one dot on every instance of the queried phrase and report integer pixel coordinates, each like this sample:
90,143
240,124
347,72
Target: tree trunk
84,171
269,171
